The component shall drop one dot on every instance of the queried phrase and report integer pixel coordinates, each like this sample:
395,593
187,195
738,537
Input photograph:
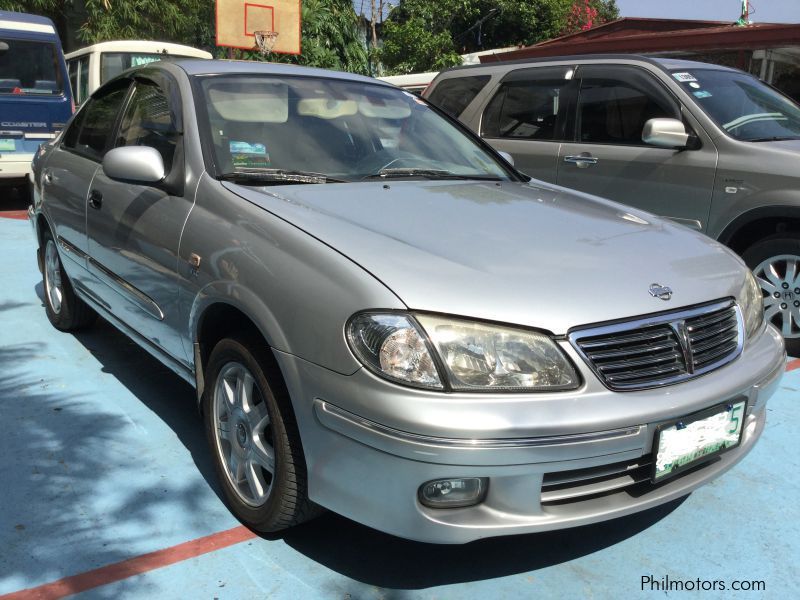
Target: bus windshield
28,67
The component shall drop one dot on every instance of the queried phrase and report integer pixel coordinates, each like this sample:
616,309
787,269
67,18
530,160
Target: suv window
453,95
615,102
531,104
89,132
148,121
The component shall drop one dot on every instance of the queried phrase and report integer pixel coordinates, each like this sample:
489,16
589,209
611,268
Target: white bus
91,67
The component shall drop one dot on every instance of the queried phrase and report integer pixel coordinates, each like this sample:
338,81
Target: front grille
580,484
663,349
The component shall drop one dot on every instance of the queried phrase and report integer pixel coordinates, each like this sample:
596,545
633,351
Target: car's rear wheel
775,262
64,309
253,436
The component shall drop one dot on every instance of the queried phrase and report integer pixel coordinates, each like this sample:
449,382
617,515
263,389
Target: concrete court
102,460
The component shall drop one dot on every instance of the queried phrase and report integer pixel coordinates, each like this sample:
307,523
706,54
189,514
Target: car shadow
339,544
379,559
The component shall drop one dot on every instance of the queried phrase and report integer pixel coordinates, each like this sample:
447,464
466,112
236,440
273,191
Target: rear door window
615,102
454,95
30,68
531,104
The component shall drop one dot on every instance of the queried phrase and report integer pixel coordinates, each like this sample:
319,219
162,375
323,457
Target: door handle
582,160
96,199
48,177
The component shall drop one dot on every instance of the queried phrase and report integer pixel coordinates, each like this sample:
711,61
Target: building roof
660,35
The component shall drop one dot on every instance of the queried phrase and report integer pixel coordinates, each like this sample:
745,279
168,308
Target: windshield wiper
427,174
264,176
776,138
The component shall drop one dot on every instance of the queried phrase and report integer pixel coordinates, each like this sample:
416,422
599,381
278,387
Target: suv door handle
582,160
96,199
48,177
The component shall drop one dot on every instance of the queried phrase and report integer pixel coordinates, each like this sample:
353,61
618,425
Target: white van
414,83
92,66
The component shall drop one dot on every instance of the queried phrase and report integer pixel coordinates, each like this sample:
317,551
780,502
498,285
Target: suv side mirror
135,164
508,158
665,133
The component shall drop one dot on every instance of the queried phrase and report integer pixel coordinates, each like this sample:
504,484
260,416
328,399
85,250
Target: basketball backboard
238,20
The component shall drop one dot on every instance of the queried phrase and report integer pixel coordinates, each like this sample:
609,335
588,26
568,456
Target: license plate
7,145
687,442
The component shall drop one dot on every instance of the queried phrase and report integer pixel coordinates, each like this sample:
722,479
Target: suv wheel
64,309
254,440
775,261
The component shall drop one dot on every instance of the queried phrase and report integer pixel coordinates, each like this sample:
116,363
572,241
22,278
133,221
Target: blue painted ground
102,458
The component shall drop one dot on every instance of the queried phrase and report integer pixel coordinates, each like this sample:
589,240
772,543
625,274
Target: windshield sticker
695,85
249,156
7,146
684,77
702,94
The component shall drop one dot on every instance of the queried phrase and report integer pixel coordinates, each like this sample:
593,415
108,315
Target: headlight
480,357
751,301
392,346
474,356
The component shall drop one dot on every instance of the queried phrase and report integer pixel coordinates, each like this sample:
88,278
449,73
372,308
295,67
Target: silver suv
384,318
709,147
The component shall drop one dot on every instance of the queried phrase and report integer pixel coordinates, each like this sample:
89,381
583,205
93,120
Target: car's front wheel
775,262
253,436
64,309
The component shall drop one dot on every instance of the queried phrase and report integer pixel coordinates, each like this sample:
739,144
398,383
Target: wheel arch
759,223
215,317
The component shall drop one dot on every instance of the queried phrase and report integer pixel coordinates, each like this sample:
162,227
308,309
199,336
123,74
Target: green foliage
428,35
330,35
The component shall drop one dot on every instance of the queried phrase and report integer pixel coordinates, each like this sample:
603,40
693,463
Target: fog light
452,493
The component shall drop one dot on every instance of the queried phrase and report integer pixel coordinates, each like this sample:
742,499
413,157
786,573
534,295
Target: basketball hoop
265,41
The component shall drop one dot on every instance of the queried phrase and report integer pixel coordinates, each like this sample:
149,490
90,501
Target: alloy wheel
243,434
779,278
52,277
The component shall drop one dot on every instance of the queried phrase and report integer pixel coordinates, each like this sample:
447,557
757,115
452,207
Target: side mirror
136,164
665,133
509,159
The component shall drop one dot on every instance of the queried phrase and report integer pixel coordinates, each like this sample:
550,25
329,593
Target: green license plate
685,443
7,145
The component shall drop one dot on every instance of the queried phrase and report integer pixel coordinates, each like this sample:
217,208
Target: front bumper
369,446
16,166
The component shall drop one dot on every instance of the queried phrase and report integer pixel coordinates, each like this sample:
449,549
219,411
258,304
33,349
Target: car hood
529,254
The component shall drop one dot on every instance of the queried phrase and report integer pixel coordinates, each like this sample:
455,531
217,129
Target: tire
254,440
64,309
775,261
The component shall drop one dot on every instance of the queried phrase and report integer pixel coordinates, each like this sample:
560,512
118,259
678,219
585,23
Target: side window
615,103
72,70
454,95
83,80
531,104
148,121
90,130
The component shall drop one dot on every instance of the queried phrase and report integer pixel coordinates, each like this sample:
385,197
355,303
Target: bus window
28,67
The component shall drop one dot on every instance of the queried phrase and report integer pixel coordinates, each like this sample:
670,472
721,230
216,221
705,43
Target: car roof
666,63
251,67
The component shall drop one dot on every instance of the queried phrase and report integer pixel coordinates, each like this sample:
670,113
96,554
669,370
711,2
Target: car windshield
28,67
741,105
317,130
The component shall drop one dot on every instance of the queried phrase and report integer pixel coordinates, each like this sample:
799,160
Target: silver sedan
382,317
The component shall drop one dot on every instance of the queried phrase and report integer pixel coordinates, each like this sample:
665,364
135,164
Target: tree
183,21
585,14
422,35
330,38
